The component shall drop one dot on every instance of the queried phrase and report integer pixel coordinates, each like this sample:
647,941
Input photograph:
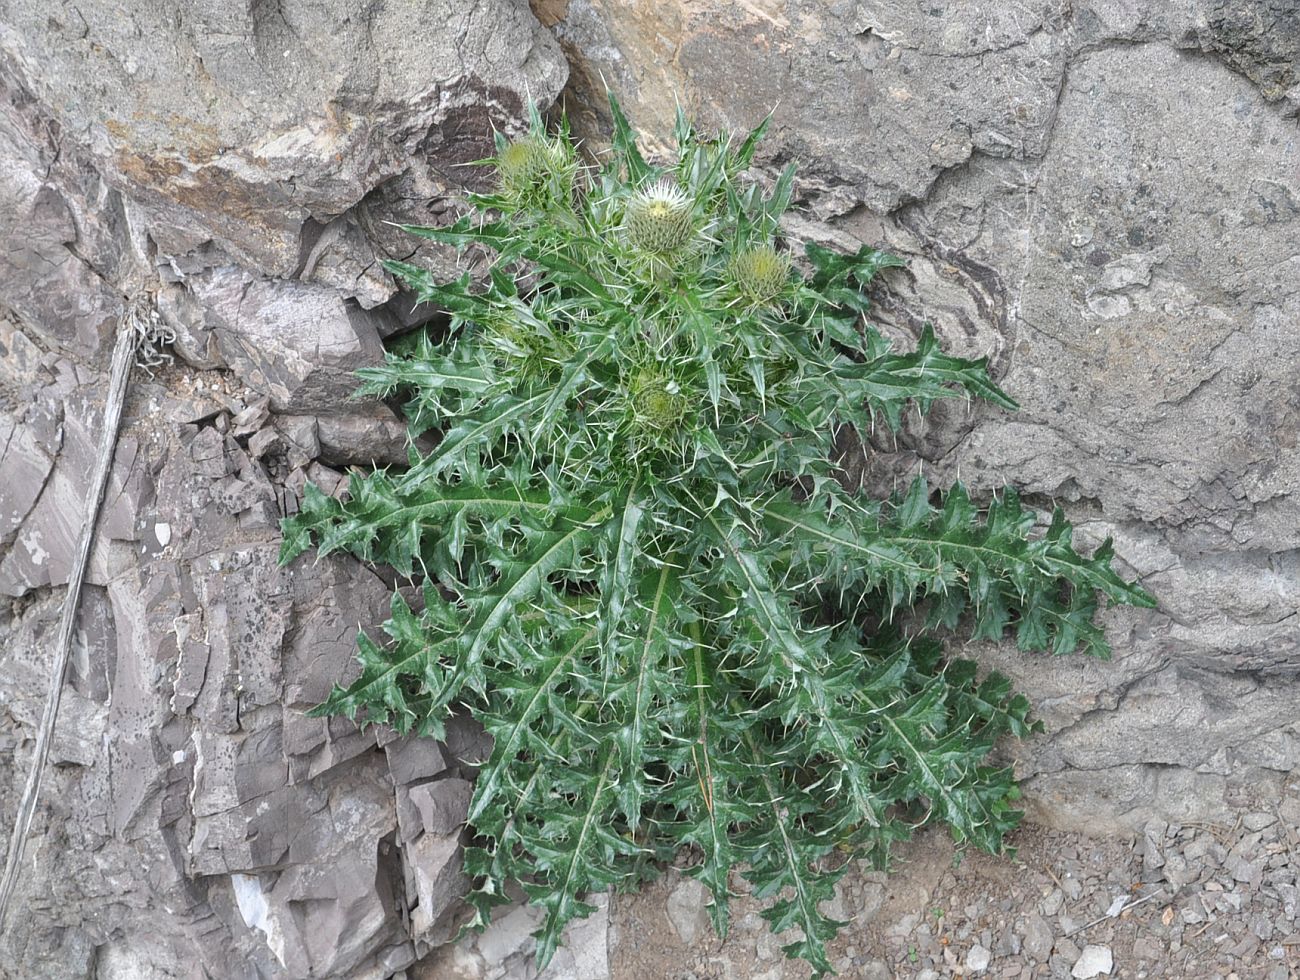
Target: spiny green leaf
465,231
647,682
784,854
625,144
509,738
888,382
703,795
500,416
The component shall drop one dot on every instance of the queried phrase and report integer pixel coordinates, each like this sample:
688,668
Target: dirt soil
1203,902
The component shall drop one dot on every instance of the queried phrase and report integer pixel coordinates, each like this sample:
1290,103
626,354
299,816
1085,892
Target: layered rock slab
236,164
187,777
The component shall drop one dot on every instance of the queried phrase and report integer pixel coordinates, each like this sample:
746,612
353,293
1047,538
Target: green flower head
759,273
658,403
659,219
534,170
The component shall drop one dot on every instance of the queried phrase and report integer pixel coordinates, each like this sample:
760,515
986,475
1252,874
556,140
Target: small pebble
1290,811
1038,938
685,908
1262,926
977,960
1245,948
1258,820
1094,961
1232,899
1008,944
1247,872
1145,948
1052,903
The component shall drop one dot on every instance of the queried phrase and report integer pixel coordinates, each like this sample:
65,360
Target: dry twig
137,326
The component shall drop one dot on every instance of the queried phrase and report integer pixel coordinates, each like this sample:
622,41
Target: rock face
255,126
1104,197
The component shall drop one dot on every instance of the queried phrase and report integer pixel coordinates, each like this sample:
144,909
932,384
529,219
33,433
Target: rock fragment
686,909
1094,961
977,960
1038,938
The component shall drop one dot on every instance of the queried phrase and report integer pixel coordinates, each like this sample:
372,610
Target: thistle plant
536,173
639,569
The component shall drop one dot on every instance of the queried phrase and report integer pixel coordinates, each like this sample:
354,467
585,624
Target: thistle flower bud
531,168
759,273
657,401
659,219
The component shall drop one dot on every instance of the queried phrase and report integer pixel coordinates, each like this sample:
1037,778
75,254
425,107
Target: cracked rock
296,343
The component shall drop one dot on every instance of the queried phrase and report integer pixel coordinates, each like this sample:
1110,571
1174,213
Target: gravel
1176,902
1170,902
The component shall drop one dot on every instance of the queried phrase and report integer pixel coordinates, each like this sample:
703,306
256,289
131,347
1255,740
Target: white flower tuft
659,219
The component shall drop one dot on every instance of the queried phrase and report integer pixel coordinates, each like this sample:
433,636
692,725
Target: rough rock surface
186,775
228,159
1102,196
259,126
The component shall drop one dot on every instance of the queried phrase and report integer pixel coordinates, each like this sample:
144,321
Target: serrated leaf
510,740
625,144
647,682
